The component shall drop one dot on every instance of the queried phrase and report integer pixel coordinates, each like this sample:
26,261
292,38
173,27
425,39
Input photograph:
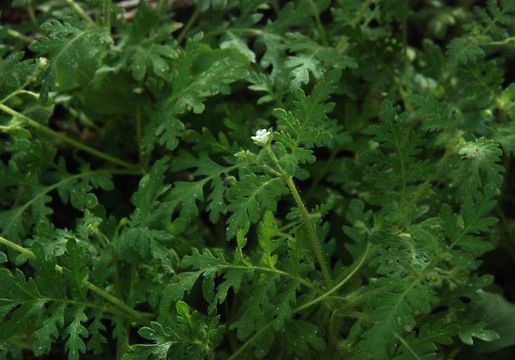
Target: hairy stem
142,317
67,140
313,238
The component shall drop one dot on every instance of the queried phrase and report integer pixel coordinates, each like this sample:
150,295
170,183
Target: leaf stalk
77,144
141,317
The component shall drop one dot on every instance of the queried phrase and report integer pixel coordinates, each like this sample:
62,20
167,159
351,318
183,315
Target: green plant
252,179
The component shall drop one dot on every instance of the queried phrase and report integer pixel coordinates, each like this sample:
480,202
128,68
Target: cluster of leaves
141,219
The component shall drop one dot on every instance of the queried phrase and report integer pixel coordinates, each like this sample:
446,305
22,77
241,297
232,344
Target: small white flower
42,62
262,137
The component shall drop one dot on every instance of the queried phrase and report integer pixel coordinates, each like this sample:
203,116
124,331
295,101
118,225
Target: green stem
249,31
104,240
316,14
117,302
286,227
272,270
335,288
32,13
190,23
276,7
29,254
130,290
21,89
67,140
404,97
19,92
107,14
275,160
250,341
143,158
407,346
112,310
95,289
508,239
162,6
506,41
18,35
427,183
361,12
79,10
18,211
315,242
405,86
326,295
321,174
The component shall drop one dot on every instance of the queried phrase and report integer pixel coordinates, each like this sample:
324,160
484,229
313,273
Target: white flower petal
262,137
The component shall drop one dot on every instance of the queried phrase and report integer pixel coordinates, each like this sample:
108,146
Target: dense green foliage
144,216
